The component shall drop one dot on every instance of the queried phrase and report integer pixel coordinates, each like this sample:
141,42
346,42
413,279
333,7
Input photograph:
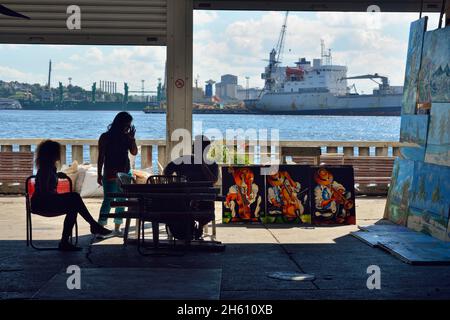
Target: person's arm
133,146
101,159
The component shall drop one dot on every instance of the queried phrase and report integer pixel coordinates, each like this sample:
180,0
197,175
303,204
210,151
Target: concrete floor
338,261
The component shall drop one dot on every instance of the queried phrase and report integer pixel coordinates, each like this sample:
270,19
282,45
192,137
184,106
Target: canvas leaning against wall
413,60
429,202
397,204
333,195
438,142
413,129
288,195
244,190
434,75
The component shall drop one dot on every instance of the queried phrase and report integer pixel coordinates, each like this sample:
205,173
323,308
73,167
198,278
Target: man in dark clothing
197,168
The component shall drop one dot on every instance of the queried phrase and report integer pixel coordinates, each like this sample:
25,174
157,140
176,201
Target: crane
384,85
275,58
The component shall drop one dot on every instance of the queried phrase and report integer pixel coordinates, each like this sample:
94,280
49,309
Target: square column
179,69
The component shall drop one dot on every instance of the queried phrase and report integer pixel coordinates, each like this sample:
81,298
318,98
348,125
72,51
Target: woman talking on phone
113,147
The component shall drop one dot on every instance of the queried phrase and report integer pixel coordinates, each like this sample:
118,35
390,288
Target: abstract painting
429,202
244,189
287,195
397,204
438,141
413,129
333,195
434,75
413,59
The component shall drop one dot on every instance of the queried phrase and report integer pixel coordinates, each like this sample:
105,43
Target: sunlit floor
338,261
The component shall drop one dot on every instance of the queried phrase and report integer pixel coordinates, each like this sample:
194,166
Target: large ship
322,88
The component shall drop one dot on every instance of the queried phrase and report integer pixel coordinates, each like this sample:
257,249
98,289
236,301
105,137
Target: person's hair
121,120
47,153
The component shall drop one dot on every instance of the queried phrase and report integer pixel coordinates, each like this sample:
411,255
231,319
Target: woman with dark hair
114,146
47,202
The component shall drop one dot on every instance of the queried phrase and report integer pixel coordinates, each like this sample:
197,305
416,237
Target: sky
235,42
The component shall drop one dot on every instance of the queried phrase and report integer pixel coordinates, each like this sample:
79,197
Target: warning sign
179,83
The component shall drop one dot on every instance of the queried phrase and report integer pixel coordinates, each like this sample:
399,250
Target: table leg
155,230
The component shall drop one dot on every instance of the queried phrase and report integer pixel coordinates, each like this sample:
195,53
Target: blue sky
229,42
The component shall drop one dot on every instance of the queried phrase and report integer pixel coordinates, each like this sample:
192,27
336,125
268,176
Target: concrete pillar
349,151
162,150
146,157
77,153
179,69
63,157
93,154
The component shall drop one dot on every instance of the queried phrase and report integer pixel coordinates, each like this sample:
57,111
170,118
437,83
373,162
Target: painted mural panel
244,189
429,204
434,75
438,141
333,195
413,60
413,129
287,196
397,204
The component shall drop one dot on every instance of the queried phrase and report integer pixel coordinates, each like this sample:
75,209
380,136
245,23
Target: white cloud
11,74
202,17
64,66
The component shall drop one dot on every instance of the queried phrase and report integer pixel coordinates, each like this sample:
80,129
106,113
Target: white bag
90,187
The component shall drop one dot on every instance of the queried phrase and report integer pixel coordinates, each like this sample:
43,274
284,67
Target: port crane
384,85
276,55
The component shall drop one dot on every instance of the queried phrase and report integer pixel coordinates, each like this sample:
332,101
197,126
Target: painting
438,141
287,195
434,75
413,129
413,60
333,195
244,189
429,202
397,204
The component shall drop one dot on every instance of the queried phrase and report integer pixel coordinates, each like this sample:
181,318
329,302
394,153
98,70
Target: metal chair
29,183
125,178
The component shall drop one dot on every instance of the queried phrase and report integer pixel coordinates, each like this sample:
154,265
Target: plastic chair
29,190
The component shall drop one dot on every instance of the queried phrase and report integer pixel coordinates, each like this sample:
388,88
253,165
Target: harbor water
17,124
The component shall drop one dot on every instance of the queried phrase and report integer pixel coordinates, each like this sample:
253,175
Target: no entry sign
179,83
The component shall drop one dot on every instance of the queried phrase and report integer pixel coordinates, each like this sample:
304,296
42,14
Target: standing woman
113,147
47,202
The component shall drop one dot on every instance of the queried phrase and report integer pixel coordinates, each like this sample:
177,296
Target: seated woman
47,202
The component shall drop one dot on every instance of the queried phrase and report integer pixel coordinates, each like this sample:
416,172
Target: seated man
196,168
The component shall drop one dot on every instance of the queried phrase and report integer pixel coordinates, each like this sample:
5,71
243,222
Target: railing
152,153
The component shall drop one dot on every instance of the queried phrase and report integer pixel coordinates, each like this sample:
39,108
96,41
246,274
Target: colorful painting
245,193
397,204
288,195
429,203
413,59
413,129
434,75
333,195
438,141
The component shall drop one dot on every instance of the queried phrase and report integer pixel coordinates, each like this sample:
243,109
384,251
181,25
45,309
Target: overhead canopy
144,22
327,5
114,22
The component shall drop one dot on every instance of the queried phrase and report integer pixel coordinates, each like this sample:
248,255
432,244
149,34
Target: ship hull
327,104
